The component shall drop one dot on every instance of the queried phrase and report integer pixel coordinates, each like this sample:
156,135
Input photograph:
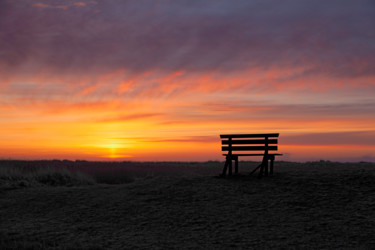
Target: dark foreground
303,206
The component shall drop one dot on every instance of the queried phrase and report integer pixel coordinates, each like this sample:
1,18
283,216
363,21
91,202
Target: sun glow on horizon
114,150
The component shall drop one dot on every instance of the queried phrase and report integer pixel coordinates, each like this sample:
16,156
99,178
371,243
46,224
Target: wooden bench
249,145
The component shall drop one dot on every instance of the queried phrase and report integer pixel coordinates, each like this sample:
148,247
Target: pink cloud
333,138
191,38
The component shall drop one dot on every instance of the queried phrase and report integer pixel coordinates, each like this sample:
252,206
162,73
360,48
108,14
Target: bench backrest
249,142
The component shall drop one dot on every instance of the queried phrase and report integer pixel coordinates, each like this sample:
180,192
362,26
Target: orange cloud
42,5
79,4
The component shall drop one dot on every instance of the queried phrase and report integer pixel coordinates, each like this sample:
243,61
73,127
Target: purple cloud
333,38
334,138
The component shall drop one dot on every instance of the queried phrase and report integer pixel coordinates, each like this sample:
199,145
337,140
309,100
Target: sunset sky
160,80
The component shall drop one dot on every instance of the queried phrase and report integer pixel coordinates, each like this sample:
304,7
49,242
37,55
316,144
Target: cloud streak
339,138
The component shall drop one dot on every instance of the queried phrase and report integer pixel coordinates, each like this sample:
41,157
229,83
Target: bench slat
260,141
249,135
248,148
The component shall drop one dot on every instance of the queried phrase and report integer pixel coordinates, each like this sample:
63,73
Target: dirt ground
303,206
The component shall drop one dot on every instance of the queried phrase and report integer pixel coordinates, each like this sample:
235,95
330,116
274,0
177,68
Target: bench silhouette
249,145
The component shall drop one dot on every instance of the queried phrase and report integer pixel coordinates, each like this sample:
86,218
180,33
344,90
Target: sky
160,80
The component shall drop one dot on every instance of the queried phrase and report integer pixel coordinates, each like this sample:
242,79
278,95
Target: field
134,205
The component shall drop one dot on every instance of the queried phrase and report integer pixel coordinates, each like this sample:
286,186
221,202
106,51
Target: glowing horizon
161,81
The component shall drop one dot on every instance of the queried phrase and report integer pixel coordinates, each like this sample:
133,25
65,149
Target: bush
61,177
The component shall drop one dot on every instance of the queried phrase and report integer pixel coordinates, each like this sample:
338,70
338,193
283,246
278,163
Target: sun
114,150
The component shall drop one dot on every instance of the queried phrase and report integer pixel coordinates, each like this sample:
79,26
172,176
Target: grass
18,177
17,173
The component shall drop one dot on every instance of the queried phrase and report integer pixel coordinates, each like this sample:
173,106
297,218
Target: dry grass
316,205
11,178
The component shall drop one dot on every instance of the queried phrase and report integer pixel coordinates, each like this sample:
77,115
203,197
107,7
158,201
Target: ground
303,206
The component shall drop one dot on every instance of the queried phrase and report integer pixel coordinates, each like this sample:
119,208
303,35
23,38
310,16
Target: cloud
252,109
329,38
190,63
131,117
43,5
62,5
180,139
338,138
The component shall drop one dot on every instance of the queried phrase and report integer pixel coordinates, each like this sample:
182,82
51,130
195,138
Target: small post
225,167
255,169
272,158
265,161
236,165
230,155
261,170
230,166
